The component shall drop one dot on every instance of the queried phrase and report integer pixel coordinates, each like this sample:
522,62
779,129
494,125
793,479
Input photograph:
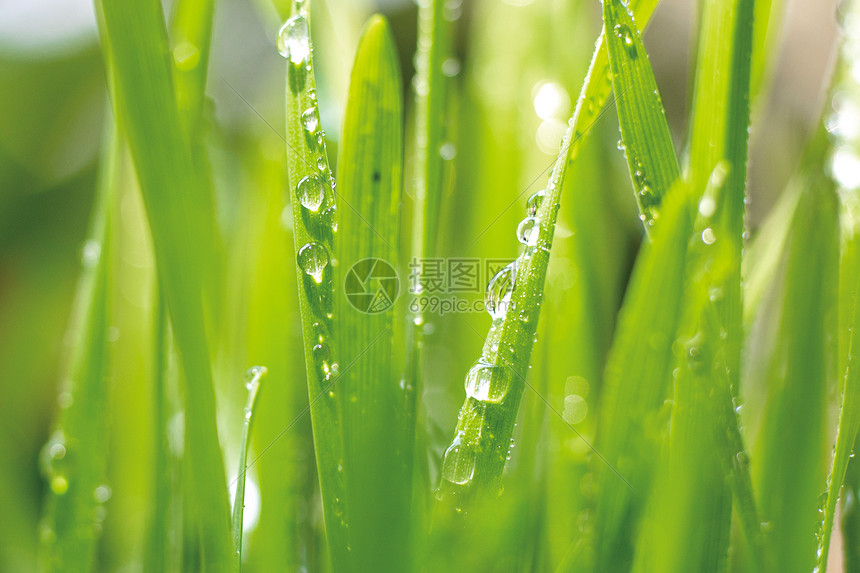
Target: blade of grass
135,36
75,458
790,459
851,518
314,223
638,371
644,132
378,410
473,464
252,382
688,521
720,123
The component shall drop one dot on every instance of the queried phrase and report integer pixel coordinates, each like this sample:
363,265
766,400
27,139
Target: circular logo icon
371,285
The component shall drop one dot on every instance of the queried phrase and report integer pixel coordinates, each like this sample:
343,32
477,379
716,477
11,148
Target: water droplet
707,206
499,290
59,485
575,409
486,382
458,465
620,145
623,32
322,164
90,253
311,192
448,151
708,236
528,231
534,203
186,56
321,352
451,67
293,41
313,259
310,120
102,493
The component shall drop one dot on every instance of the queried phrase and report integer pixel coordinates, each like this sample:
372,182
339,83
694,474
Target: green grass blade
637,382
314,223
598,84
74,460
851,518
789,470
156,554
191,31
645,134
253,378
430,87
720,123
378,410
689,519
473,464
173,190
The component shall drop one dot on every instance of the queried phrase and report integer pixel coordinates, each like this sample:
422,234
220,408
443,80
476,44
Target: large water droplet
499,290
528,231
310,120
458,465
311,192
313,259
486,382
293,41
534,203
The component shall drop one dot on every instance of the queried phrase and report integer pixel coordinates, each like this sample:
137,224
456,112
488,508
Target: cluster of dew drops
315,191
487,383
54,461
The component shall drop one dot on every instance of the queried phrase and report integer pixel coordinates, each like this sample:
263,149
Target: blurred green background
518,68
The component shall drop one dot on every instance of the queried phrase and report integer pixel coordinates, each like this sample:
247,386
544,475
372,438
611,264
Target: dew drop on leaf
293,42
310,192
313,259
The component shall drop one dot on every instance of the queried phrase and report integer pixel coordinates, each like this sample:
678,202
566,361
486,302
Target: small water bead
310,120
322,164
528,231
313,259
708,236
186,56
90,253
486,382
623,32
448,151
575,409
293,41
321,352
311,192
59,485
534,203
499,290
451,67
102,494
458,464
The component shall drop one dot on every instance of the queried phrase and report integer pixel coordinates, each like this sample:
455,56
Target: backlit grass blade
790,456
719,132
173,192
74,460
378,408
689,517
430,125
644,132
851,518
474,461
312,194
637,382
191,36
253,378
